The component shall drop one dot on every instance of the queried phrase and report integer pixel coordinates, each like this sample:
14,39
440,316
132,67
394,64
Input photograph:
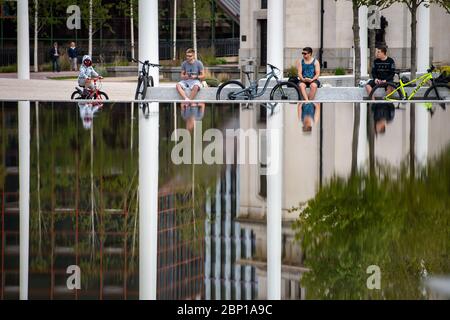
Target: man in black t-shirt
383,69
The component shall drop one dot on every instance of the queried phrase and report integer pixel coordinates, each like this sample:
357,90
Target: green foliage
212,82
292,71
208,57
8,69
395,222
339,71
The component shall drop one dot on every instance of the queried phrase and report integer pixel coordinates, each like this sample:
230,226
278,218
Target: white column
275,56
363,38
275,33
23,40
148,158
23,72
423,63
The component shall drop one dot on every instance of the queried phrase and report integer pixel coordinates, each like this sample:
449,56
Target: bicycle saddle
272,66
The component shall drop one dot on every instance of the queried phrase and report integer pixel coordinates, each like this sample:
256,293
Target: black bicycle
145,80
235,90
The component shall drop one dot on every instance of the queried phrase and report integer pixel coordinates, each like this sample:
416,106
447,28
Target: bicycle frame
423,79
248,91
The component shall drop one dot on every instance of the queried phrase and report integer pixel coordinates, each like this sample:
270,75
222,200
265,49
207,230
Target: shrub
339,71
9,68
212,82
292,71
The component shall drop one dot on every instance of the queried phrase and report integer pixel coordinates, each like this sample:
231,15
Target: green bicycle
395,91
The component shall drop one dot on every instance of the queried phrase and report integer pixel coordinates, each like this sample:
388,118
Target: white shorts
190,83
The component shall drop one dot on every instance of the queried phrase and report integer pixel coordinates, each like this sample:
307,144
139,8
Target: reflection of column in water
228,233
208,246
274,204
248,268
421,134
148,202
362,137
217,240
237,267
24,195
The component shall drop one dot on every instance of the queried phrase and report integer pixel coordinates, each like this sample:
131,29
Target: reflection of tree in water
64,171
397,223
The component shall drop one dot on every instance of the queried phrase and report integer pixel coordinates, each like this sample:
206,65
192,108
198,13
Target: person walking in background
55,53
73,56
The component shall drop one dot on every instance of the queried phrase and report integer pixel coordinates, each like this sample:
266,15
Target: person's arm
392,71
374,71
316,71
201,75
300,70
317,113
183,75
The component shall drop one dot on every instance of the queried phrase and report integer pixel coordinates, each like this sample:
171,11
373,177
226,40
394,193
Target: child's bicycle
145,80
438,90
88,94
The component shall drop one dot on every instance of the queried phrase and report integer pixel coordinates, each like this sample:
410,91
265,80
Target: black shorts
308,84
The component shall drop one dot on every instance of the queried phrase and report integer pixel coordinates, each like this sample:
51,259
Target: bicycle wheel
141,89
76,95
380,91
231,90
150,82
440,91
285,91
101,96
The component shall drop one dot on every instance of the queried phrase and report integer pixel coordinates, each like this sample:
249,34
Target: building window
263,4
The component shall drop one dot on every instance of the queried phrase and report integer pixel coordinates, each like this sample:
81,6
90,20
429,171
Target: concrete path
40,87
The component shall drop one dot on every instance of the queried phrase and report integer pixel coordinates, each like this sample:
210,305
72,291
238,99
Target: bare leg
181,92
312,91
369,90
194,92
303,91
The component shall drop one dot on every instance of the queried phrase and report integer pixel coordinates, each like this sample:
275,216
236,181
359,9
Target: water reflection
212,218
383,114
308,114
191,112
87,113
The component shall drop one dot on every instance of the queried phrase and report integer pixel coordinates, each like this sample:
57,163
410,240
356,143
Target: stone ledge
323,94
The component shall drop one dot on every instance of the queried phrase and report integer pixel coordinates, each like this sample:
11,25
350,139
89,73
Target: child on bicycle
87,72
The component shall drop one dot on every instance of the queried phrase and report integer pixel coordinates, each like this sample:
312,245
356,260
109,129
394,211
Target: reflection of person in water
383,113
308,113
192,112
87,111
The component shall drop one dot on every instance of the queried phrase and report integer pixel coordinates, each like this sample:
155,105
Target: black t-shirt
383,111
383,70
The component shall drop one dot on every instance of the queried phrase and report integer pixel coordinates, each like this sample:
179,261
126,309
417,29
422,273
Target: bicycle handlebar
146,62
